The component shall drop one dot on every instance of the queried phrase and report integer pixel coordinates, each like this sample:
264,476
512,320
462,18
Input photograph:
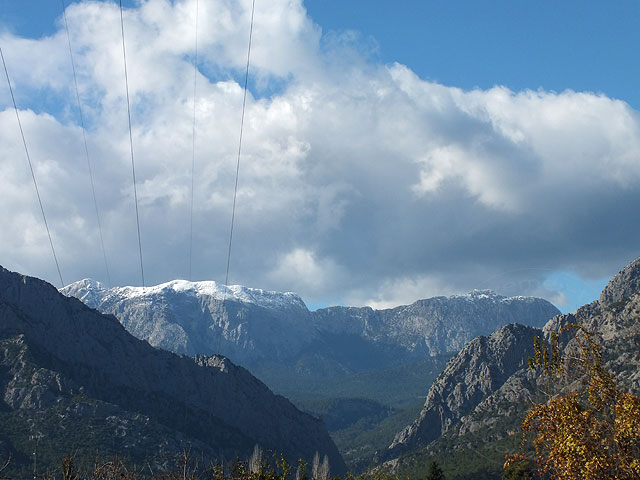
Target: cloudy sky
389,153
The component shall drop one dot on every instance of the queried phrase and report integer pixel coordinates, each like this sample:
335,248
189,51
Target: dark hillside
76,378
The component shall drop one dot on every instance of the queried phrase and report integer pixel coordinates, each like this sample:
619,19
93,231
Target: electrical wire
193,143
33,175
244,103
86,148
133,165
235,190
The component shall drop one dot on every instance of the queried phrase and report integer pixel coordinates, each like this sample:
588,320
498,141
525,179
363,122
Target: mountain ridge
497,413
59,353
329,351
94,290
195,317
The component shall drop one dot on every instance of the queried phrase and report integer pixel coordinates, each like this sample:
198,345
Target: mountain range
476,405
73,379
361,370
253,326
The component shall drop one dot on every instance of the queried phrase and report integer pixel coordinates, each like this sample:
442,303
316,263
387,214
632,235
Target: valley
75,378
364,372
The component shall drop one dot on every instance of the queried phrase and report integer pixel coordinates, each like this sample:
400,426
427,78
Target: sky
391,151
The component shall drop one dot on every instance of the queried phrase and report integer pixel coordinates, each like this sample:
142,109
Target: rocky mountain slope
252,326
481,368
436,325
246,324
75,379
337,355
485,390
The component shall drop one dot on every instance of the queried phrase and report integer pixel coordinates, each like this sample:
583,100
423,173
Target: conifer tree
434,472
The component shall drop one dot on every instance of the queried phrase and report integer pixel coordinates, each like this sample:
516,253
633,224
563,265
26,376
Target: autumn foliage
590,433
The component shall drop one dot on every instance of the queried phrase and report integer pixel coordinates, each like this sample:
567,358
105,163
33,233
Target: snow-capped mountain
246,324
93,292
436,325
77,379
253,326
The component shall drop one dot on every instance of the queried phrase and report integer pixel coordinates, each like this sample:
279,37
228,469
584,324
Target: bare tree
324,471
315,466
255,462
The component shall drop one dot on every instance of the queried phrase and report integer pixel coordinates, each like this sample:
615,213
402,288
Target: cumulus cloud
359,182
301,267
399,291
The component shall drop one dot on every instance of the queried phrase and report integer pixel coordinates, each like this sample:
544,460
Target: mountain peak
251,325
86,358
487,294
92,292
622,286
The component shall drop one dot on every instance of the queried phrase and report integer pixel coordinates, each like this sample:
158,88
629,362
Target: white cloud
401,291
358,181
302,267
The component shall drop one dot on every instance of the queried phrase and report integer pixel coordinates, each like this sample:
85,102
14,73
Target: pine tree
434,472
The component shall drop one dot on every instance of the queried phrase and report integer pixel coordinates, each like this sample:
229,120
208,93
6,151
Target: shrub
589,434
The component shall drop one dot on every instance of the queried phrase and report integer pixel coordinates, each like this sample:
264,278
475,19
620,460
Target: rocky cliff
253,326
436,325
246,324
487,388
76,377
481,368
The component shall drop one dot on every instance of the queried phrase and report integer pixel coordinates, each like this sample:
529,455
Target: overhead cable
193,142
133,165
244,103
86,148
235,190
33,175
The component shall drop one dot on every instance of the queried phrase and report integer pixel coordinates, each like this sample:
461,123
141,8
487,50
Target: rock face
247,324
252,326
65,366
436,325
622,286
482,367
487,387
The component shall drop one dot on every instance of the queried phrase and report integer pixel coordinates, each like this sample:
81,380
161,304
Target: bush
589,434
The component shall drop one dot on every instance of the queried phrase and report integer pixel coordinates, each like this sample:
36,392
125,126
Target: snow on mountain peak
89,290
477,294
490,294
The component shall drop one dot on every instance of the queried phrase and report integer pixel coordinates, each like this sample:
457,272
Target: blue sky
584,46
395,150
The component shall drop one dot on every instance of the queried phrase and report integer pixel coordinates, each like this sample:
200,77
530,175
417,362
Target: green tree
434,472
521,469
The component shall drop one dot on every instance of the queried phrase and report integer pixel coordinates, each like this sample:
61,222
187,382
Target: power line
84,138
244,102
133,165
193,142
33,176
235,190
